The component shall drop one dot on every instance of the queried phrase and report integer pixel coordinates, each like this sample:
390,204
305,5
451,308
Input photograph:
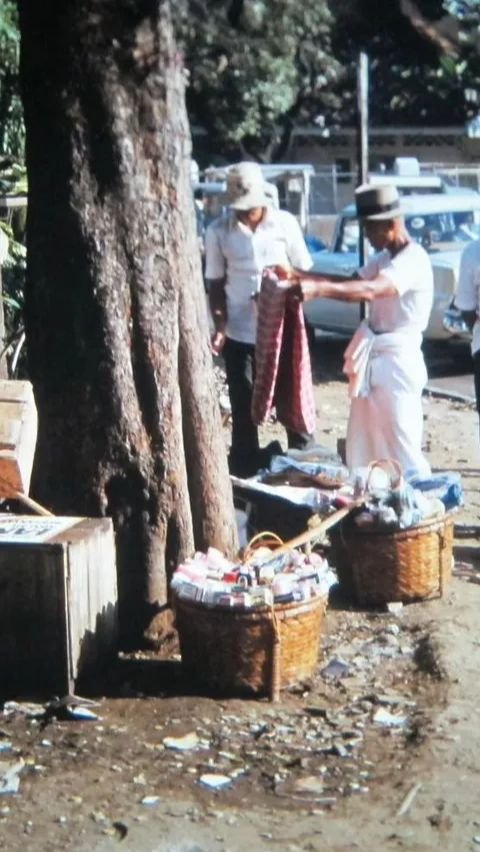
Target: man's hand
303,291
217,342
286,273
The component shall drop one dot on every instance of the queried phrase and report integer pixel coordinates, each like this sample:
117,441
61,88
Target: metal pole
362,146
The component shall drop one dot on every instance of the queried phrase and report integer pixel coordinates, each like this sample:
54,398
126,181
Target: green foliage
13,284
413,80
465,65
12,132
13,270
256,69
13,178
13,182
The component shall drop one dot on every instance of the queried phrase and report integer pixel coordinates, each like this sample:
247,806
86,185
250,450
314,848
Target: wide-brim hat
245,187
375,203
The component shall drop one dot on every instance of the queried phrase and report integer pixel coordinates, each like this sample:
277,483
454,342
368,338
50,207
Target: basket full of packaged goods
397,547
252,627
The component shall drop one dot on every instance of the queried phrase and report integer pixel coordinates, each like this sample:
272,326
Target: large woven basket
377,566
256,651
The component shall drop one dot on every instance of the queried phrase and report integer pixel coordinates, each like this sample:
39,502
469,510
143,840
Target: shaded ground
377,752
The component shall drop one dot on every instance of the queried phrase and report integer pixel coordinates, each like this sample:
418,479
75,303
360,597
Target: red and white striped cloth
282,360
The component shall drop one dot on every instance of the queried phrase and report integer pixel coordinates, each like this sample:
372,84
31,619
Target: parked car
410,185
408,177
442,223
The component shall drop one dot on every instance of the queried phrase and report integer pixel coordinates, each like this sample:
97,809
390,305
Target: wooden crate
58,601
18,436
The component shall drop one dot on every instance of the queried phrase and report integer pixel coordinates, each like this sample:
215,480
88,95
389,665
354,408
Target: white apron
387,374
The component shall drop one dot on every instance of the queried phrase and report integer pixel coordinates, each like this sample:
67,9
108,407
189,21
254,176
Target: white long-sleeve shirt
238,254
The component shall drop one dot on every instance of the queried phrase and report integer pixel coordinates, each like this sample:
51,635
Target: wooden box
18,436
58,601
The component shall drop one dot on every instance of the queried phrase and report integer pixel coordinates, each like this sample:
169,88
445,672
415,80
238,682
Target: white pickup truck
443,223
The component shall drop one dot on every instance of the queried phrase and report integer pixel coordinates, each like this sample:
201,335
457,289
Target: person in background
248,237
384,360
467,300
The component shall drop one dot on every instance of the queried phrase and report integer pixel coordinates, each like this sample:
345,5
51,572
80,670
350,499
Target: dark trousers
245,454
476,378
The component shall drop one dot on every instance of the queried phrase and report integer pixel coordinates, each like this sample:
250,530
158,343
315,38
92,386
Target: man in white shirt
386,418
238,246
467,300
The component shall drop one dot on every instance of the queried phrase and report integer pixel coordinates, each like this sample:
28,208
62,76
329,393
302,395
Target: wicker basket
256,651
378,566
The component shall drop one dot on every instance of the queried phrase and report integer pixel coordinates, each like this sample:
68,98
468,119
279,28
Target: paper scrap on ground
215,782
185,743
9,776
389,720
150,800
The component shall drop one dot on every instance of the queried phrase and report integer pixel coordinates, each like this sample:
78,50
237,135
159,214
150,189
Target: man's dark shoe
264,456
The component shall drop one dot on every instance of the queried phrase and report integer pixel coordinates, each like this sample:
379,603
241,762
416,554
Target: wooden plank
13,390
13,409
92,597
9,434
18,436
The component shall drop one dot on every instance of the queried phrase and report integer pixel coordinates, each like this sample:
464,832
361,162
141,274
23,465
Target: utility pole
362,147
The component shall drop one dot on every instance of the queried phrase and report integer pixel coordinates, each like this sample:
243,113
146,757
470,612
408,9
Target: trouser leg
240,371
299,440
476,378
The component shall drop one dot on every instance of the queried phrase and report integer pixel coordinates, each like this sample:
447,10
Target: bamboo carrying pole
316,531
275,673
27,501
32,504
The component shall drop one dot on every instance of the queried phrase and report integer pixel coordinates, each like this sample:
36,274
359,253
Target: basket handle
275,673
261,539
390,466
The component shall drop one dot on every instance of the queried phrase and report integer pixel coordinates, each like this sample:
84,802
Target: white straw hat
245,187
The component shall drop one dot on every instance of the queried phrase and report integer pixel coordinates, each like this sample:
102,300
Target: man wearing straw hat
250,236
384,360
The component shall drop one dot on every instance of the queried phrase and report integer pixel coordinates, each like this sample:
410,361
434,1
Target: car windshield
444,231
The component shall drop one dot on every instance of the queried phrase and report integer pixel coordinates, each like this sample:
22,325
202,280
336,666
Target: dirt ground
377,752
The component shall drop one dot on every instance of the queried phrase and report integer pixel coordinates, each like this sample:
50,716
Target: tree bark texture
116,319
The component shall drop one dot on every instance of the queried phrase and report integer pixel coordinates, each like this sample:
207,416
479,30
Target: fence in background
331,189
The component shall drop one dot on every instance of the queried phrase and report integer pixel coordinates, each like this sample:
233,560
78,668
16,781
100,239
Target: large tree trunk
116,318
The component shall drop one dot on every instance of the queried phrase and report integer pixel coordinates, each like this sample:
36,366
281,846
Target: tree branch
442,33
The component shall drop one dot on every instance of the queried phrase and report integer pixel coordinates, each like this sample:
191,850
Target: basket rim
427,525
303,606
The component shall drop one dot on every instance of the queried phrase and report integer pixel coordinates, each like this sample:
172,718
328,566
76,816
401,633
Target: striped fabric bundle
282,359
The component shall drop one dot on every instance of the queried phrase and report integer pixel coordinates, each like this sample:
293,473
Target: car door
331,314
